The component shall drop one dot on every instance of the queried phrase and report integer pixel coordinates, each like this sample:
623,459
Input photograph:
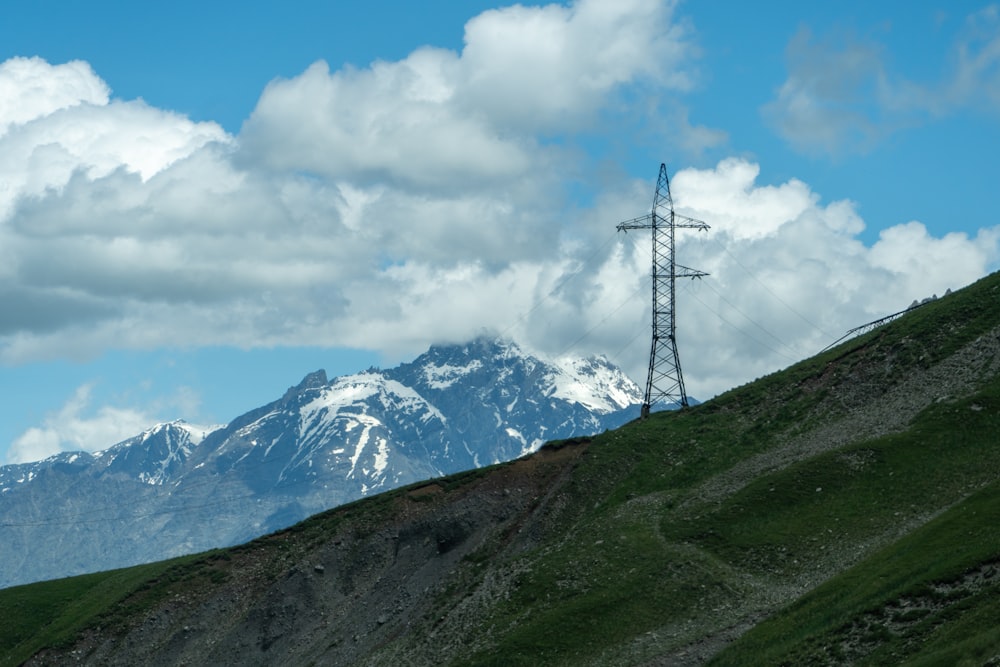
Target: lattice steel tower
665,381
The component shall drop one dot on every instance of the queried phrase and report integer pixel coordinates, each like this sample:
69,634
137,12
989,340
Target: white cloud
123,222
386,123
444,121
916,258
833,99
30,88
59,135
788,274
730,195
977,61
77,427
841,96
546,68
426,199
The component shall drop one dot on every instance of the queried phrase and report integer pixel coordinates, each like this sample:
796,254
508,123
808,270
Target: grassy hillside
51,613
841,511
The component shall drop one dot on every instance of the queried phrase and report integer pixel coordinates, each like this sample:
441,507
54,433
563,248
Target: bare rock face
337,597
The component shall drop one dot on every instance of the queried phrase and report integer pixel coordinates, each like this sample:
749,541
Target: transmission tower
665,381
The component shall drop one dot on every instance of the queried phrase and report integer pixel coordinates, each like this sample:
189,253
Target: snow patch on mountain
153,456
409,401
381,456
514,433
352,389
594,383
196,433
445,375
367,423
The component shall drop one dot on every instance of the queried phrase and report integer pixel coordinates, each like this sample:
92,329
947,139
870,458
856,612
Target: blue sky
201,203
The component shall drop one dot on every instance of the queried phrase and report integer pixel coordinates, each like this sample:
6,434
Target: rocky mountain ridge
177,488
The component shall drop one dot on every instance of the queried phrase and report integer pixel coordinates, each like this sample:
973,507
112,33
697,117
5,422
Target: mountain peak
483,345
456,407
313,380
192,433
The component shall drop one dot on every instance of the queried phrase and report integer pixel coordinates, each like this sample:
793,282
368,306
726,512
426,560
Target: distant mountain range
177,489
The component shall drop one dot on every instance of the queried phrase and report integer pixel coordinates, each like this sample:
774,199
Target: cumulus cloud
31,88
423,200
339,183
78,427
392,122
65,129
842,97
441,120
788,273
566,59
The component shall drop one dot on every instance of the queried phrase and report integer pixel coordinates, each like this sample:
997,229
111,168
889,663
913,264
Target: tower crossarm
689,223
685,272
649,221
642,222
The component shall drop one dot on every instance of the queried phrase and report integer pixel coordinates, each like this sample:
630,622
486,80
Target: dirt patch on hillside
337,590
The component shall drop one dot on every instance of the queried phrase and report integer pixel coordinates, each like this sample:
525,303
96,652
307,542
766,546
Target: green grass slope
930,599
703,522
51,613
842,511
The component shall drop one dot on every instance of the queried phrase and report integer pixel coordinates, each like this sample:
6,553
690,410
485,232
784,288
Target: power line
740,329
751,320
562,282
606,318
770,291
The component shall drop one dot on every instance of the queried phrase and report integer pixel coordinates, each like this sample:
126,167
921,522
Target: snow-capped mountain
154,456
178,488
